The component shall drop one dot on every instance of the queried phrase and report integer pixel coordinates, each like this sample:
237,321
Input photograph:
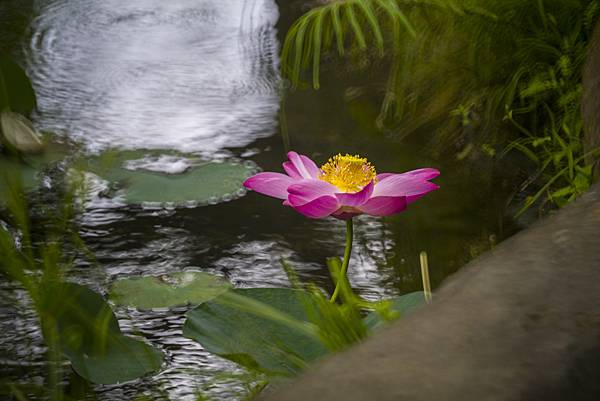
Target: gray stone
520,323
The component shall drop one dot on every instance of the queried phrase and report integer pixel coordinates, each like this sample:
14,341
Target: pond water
200,76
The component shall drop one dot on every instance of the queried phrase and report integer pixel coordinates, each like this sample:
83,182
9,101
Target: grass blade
360,36
337,28
369,13
401,18
302,24
316,34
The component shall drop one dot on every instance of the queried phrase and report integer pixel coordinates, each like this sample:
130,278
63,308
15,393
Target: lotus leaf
260,328
171,178
399,307
166,291
90,337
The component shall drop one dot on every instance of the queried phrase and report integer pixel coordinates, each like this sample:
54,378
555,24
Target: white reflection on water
192,75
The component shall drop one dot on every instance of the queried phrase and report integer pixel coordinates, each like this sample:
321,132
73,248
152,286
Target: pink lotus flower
343,187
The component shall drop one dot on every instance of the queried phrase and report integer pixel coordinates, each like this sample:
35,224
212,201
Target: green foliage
25,171
122,359
396,307
17,134
89,335
548,114
78,313
167,291
278,331
26,176
16,91
314,32
252,384
509,71
560,158
76,322
198,181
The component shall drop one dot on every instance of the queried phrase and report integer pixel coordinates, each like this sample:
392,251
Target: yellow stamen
348,173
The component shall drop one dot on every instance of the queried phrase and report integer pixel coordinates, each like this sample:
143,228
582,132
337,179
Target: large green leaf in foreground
168,177
166,291
90,337
261,328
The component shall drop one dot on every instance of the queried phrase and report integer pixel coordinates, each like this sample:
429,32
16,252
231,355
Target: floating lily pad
167,177
16,91
399,307
237,330
90,337
124,359
20,133
166,291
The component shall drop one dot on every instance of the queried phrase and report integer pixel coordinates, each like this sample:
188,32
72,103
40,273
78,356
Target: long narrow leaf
287,48
317,29
308,43
360,36
401,17
302,24
523,149
337,28
551,181
369,13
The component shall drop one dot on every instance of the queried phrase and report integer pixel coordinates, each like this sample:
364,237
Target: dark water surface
201,76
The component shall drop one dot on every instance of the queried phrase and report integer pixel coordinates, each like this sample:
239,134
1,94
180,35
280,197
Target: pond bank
520,323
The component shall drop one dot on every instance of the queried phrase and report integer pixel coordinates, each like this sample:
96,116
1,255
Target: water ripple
197,76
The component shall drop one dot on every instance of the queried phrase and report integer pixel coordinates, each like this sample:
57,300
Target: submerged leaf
166,291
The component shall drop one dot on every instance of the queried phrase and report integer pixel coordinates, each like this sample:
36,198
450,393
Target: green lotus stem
346,261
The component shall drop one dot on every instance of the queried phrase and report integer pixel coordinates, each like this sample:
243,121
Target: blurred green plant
251,382
504,74
23,151
76,322
17,99
560,158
